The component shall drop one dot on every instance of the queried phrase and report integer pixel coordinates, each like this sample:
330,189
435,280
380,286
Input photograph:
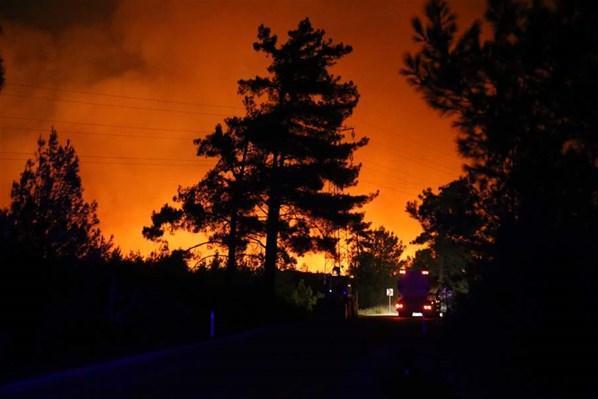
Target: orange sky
189,56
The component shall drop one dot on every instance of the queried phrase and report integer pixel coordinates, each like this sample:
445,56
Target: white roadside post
389,294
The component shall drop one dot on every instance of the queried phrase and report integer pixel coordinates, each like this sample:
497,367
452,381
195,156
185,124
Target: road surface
371,357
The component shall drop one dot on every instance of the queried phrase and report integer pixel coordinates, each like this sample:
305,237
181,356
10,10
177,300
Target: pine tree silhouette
299,110
48,214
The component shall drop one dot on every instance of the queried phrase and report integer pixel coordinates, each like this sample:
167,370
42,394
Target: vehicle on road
415,298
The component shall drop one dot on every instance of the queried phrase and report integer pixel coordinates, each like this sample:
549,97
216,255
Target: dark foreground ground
372,357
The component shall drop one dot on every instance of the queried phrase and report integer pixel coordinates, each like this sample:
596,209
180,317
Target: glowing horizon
136,88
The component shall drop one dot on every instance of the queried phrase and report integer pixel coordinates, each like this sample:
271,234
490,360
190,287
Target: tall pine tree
282,168
305,156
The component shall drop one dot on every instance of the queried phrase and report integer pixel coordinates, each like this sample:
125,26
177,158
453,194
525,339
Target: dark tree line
282,168
523,97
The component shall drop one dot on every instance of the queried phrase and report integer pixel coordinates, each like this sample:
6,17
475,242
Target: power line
89,133
168,162
398,177
428,162
97,124
422,162
117,163
126,97
118,157
369,163
386,171
412,141
113,105
383,187
129,164
149,161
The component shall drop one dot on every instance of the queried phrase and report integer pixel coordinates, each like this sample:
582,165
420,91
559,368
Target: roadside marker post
389,294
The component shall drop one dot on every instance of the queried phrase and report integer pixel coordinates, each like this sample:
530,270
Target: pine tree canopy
296,121
50,217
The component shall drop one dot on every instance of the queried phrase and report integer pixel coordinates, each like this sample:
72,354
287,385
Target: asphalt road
369,357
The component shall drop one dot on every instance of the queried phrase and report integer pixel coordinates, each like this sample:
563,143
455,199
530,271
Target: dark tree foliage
455,231
48,216
524,102
299,110
222,204
426,259
375,265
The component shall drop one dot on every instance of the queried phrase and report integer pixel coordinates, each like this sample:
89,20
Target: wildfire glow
137,87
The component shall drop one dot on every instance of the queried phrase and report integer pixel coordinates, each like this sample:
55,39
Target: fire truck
415,298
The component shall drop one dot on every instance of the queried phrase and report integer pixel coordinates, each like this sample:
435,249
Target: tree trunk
272,226
231,260
271,242
231,263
